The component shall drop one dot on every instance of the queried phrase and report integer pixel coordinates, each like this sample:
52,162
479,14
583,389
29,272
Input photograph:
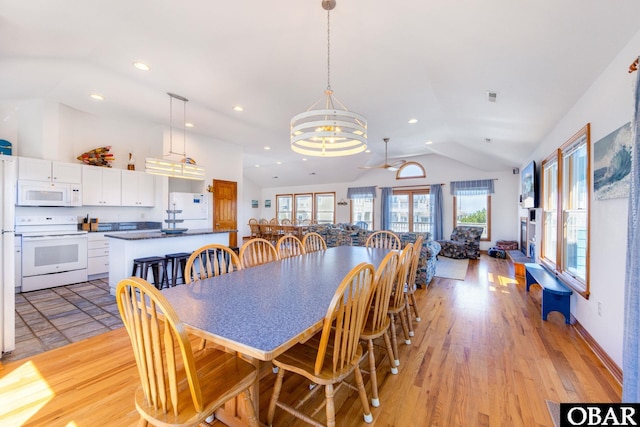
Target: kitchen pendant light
186,167
333,130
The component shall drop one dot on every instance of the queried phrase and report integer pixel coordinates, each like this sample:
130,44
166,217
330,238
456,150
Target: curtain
361,192
436,211
472,188
385,207
631,344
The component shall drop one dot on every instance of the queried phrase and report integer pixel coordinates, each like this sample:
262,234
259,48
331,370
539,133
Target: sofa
347,234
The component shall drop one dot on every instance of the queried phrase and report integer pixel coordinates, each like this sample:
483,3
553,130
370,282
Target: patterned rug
449,268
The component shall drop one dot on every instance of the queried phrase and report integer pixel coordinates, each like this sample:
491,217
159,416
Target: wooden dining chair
210,260
411,287
263,221
178,386
337,352
378,321
289,246
383,239
398,302
257,251
313,242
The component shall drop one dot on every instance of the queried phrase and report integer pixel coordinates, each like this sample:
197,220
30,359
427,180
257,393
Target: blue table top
264,310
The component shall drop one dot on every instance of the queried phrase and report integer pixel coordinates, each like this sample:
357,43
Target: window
305,207
411,170
411,211
473,210
472,204
566,191
325,208
362,204
284,206
362,210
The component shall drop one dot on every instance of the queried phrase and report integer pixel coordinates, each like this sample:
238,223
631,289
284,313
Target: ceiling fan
386,165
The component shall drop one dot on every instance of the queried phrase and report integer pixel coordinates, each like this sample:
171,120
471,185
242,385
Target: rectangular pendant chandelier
173,169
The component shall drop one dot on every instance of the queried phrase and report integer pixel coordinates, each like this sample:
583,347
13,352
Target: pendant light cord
328,51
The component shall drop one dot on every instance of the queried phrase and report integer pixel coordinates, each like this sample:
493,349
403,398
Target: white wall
440,170
607,105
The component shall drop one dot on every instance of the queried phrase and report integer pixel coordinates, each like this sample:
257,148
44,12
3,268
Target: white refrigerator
8,178
195,209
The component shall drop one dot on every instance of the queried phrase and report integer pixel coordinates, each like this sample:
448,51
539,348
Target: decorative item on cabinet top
97,157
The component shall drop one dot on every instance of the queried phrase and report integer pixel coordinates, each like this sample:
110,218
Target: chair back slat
345,318
289,246
257,251
398,299
383,239
210,260
313,242
383,285
159,343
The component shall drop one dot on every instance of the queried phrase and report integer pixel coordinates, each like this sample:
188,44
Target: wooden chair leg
415,307
407,310
251,411
368,417
405,327
330,407
274,397
375,401
394,341
390,354
142,422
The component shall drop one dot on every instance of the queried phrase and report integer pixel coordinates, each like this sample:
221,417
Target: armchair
464,243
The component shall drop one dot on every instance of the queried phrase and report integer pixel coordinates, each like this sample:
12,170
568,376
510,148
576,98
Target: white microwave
40,193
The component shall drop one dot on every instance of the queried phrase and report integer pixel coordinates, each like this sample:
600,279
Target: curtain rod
415,186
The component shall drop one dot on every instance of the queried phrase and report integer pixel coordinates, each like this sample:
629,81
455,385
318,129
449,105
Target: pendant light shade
328,130
185,167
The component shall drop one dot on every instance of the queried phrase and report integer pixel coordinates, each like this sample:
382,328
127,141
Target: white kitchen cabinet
98,254
101,186
138,189
48,170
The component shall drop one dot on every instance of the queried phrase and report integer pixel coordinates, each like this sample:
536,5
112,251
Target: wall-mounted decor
529,186
97,157
254,204
267,203
612,164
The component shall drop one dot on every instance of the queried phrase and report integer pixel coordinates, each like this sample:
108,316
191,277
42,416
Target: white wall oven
54,252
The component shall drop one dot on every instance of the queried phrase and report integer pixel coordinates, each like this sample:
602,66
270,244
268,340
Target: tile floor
55,317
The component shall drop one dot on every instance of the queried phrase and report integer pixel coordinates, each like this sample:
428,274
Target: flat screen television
529,186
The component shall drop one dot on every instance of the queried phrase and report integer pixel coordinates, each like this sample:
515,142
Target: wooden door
225,202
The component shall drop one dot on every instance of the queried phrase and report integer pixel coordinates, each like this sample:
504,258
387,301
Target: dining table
262,311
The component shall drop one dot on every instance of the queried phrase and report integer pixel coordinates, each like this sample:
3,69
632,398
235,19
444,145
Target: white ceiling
432,60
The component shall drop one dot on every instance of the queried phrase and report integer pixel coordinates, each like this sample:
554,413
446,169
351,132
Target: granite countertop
157,234
127,226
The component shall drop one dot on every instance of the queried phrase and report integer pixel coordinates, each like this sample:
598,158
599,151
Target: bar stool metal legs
178,264
155,263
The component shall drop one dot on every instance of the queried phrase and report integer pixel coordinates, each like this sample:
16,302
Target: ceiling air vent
492,96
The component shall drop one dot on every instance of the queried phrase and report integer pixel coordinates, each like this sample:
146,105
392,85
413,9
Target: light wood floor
481,356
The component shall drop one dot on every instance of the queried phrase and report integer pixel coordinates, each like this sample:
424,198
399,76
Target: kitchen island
125,247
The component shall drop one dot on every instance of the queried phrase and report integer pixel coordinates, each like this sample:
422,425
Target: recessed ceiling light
97,97
189,125
412,121
238,108
267,148
304,159
278,163
367,151
141,66
257,166
429,142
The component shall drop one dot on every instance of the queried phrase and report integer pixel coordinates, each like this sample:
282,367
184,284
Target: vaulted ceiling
434,61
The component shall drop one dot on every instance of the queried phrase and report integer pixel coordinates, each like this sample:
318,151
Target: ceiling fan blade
373,167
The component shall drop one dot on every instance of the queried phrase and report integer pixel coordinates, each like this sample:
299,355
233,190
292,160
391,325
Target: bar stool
155,263
178,263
